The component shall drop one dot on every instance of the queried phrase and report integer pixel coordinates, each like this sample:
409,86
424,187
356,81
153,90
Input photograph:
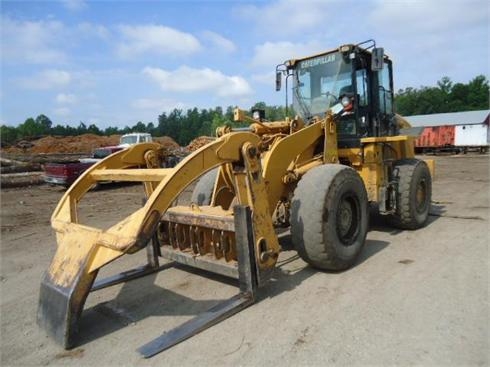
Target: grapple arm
83,250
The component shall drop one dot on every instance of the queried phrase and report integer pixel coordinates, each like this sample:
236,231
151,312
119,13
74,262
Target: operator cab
359,79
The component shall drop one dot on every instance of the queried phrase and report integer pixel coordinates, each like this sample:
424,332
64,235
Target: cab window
385,93
361,86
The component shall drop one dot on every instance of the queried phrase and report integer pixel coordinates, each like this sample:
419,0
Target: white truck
134,138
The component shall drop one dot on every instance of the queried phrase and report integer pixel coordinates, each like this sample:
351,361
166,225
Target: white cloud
95,30
449,39
265,78
188,80
158,104
45,41
34,42
292,16
74,5
219,41
62,111
47,79
66,98
425,17
273,53
93,120
155,39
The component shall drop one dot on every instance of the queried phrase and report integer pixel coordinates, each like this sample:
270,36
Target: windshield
318,83
130,139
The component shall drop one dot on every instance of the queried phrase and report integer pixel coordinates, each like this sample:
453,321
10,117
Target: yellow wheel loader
316,173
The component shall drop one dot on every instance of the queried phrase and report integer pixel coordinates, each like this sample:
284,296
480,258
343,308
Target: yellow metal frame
91,248
283,161
258,169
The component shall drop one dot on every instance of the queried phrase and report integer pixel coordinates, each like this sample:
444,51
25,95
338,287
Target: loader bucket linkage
83,250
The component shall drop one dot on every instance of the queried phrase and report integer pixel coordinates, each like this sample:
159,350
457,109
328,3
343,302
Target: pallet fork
247,278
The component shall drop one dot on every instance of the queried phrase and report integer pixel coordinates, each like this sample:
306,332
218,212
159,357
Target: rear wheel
329,217
414,194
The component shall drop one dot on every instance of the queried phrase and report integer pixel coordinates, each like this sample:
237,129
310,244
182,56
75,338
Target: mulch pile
167,142
66,144
199,142
76,144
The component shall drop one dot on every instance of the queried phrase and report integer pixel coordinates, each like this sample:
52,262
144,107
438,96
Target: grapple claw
60,306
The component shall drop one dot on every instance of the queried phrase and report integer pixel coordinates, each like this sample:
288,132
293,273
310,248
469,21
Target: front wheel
329,217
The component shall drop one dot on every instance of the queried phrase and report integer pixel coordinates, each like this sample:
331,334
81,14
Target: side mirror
278,80
377,59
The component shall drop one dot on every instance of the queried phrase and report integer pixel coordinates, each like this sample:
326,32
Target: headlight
345,101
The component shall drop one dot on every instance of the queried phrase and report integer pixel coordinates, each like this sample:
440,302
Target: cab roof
343,48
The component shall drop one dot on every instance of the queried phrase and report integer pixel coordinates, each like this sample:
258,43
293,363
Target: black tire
413,195
329,217
202,193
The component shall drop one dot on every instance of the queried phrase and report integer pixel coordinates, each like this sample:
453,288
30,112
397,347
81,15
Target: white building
471,128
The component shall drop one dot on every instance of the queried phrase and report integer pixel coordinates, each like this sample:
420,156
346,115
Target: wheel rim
348,219
421,196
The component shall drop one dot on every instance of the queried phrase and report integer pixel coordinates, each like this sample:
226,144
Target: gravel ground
413,298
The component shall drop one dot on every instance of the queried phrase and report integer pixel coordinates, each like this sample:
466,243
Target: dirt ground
413,298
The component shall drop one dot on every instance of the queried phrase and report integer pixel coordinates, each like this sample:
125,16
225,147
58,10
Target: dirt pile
167,142
199,142
85,144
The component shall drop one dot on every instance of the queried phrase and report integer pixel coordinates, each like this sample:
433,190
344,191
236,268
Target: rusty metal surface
205,216
204,262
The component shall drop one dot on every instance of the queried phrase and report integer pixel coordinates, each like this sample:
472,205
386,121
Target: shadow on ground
381,223
142,298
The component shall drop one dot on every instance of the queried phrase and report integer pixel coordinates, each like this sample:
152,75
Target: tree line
183,126
445,97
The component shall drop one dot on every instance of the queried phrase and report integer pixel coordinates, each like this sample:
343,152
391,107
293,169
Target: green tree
446,97
218,120
479,93
139,127
30,129
93,129
8,135
150,128
82,128
445,85
111,130
44,123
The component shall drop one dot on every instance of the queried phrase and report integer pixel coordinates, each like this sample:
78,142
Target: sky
114,63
